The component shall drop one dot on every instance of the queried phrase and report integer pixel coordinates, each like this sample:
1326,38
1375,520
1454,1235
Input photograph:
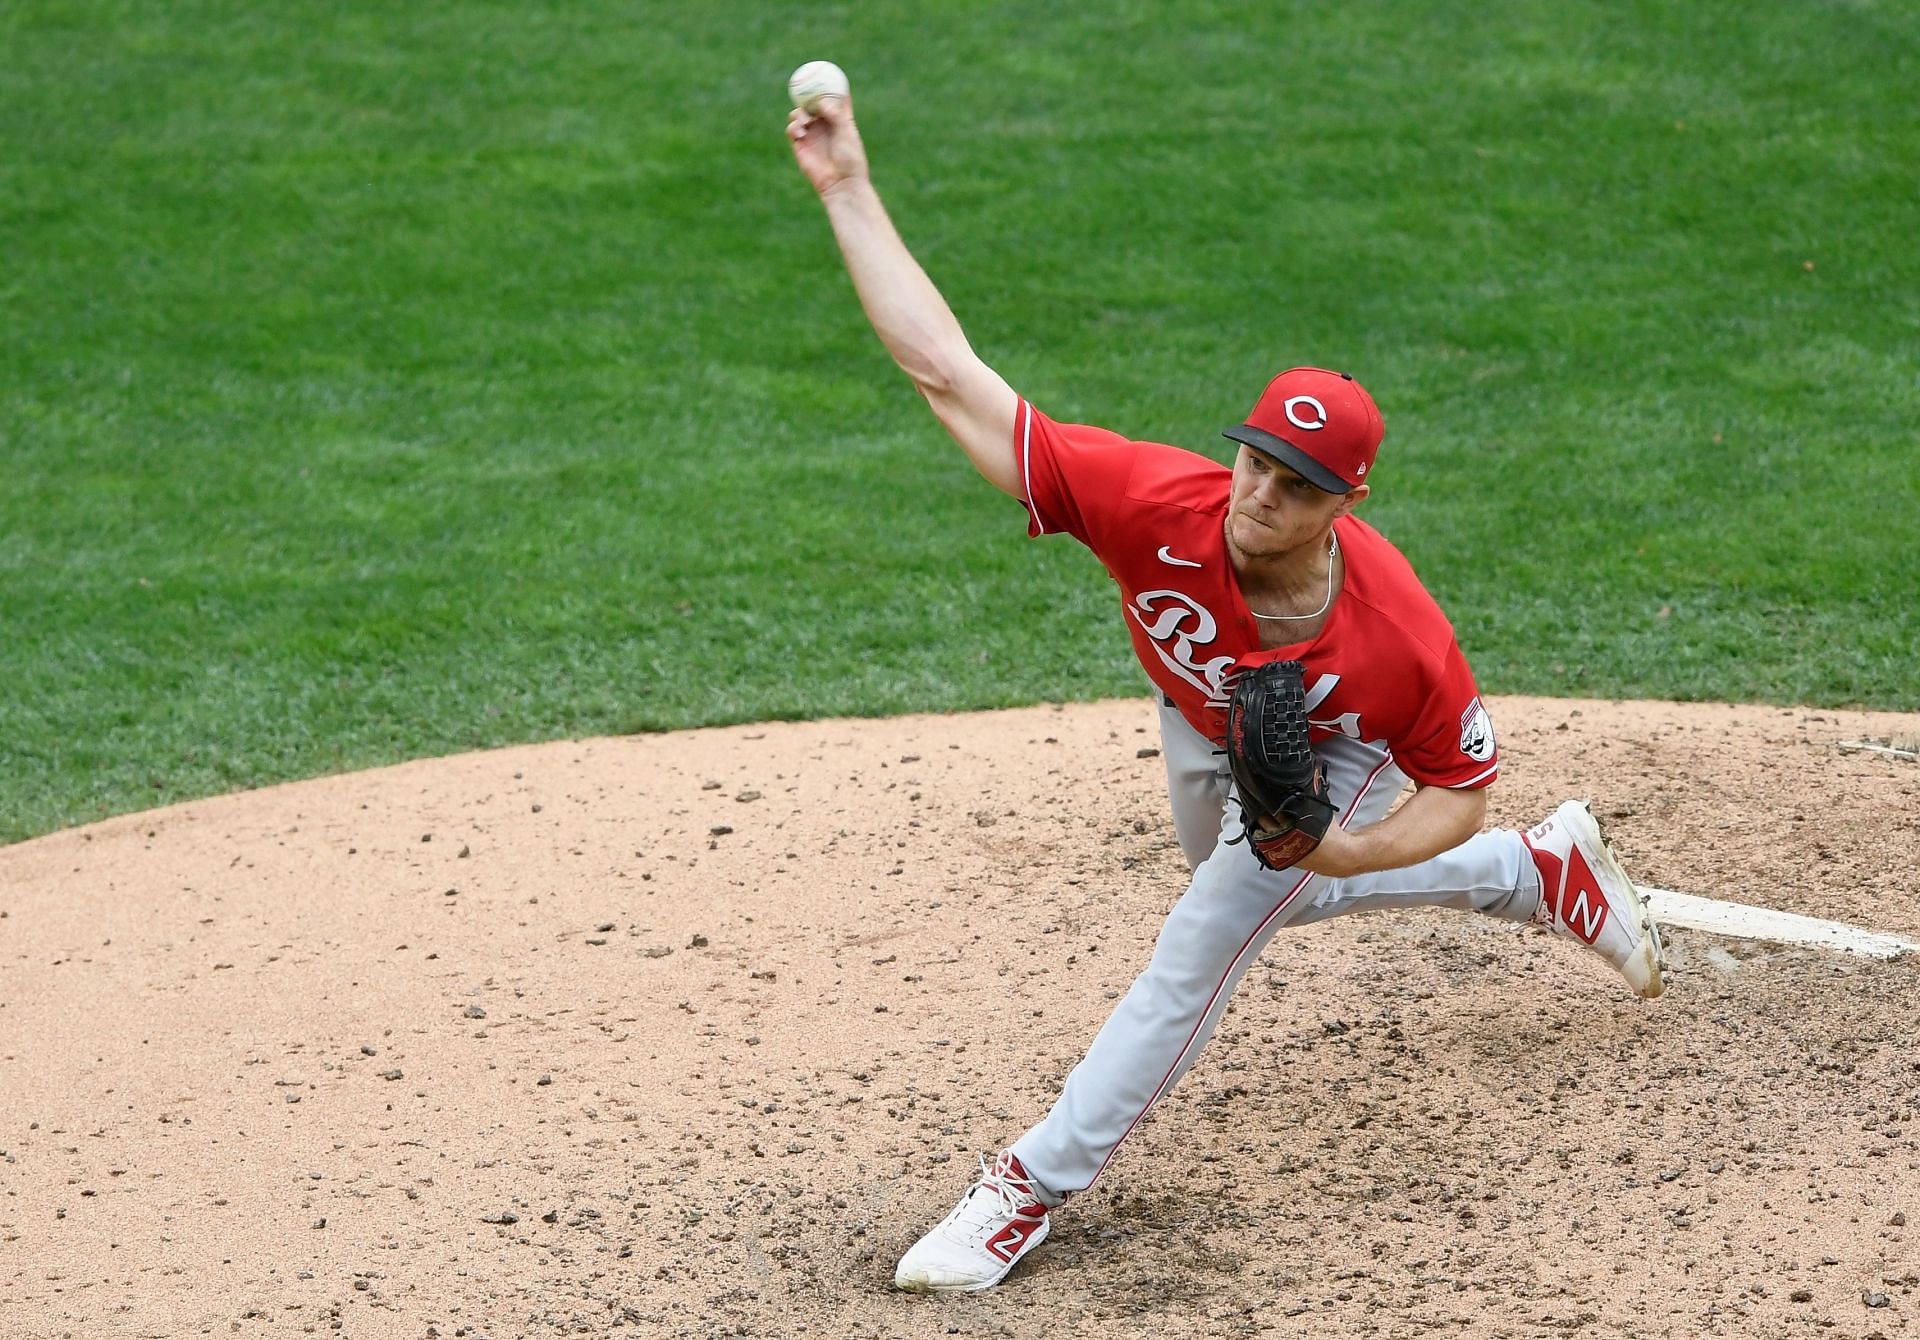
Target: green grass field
389,380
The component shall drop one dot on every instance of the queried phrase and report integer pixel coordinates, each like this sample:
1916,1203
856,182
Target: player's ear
1351,499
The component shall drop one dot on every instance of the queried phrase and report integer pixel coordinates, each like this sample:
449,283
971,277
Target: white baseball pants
1232,907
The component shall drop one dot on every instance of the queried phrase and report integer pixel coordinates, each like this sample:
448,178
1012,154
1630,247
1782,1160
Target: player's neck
1290,593
1291,575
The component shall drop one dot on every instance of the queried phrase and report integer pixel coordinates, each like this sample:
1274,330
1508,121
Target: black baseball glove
1284,802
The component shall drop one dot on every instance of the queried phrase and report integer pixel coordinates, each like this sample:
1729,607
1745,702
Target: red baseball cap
1321,424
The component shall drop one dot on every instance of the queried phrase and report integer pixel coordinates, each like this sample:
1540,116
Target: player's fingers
836,109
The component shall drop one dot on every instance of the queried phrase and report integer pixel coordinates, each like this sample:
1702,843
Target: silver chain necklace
1333,552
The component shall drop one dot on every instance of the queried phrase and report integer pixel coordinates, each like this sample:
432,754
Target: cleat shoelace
976,1213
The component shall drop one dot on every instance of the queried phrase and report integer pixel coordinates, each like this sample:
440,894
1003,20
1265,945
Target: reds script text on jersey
1386,671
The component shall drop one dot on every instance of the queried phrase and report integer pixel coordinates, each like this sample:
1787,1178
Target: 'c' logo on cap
1310,425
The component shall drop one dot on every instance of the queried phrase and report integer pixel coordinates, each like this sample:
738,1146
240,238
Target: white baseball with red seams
815,80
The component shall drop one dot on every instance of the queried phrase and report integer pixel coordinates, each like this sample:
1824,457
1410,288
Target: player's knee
1197,943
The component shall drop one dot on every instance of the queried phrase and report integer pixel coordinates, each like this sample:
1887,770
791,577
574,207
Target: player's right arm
971,400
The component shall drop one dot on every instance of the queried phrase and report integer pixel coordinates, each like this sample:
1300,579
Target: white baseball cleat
997,1222
1585,895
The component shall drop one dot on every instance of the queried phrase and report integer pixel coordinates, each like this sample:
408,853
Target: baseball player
1220,571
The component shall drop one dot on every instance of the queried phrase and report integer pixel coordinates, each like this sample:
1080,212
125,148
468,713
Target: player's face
1275,510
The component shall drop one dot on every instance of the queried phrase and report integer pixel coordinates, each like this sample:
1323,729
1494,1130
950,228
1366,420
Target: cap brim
1290,456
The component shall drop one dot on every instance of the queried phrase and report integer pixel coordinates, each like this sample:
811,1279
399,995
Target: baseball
813,81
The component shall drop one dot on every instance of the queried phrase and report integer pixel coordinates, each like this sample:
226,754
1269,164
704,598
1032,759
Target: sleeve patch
1476,732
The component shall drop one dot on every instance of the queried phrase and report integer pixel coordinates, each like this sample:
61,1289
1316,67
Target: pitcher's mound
692,1035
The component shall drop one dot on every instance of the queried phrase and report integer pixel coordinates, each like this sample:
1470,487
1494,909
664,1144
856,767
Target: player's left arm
1432,820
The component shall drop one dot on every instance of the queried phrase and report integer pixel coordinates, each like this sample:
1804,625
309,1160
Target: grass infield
392,380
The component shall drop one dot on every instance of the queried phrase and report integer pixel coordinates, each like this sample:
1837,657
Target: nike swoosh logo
1167,557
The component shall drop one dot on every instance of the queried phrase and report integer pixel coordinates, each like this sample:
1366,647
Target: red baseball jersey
1385,671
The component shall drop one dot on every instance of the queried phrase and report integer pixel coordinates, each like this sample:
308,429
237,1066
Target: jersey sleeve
1074,476
1451,741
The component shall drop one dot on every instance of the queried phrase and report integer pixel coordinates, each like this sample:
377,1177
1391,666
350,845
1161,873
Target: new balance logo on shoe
1587,896
1589,910
1008,1242
1572,894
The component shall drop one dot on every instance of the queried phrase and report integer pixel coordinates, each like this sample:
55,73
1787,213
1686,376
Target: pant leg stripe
1233,967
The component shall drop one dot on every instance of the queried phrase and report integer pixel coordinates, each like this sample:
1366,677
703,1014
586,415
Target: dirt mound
691,1035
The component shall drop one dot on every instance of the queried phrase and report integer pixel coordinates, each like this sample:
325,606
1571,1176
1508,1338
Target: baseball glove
1284,803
